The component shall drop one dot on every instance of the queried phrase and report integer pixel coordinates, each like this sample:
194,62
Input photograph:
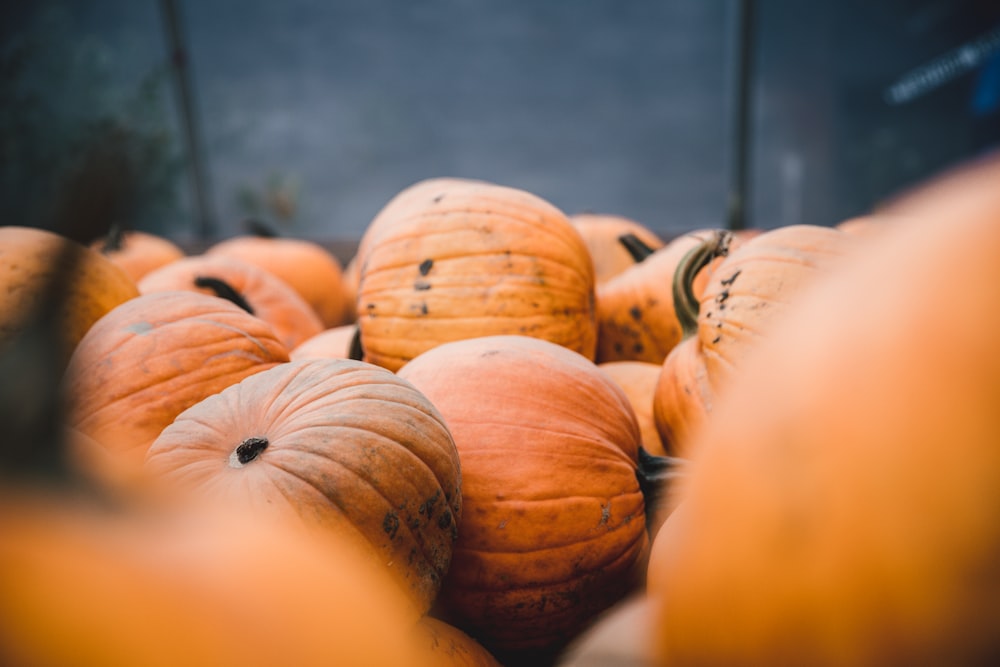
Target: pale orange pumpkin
338,445
335,343
138,252
638,380
615,242
842,507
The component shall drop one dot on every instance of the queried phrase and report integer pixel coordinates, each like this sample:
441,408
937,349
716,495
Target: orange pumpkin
748,290
335,343
843,505
615,242
40,270
338,444
553,527
469,260
638,380
137,252
445,645
81,585
152,357
258,291
309,268
620,637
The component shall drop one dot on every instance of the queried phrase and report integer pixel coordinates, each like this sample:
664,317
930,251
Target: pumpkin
746,292
615,242
42,270
553,526
337,445
638,380
636,317
306,266
445,645
152,357
137,252
620,637
84,585
469,260
843,507
335,343
256,290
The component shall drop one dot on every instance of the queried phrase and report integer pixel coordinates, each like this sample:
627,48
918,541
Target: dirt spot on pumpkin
390,524
425,266
729,281
605,514
421,285
635,312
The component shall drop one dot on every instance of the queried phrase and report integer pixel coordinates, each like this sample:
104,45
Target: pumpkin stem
261,229
114,239
685,302
355,351
224,290
636,247
247,451
655,473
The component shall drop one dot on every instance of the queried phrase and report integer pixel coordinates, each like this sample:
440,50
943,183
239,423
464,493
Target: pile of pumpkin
505,435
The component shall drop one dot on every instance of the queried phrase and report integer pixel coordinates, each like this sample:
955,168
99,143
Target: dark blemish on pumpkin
413,523
605,514
635,312
428,506
421,285
729,281
369,306
722,296
139,328
390,524
412,556
716,339
439,198
502,524
489,353
638,348
619,348
425,266
444,520
247,451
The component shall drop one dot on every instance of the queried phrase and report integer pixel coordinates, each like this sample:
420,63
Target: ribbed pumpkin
469,260
137,252
152,357
615,242
844,508
261,292
85,586
334,443
40,268
749,289
553,524
307,267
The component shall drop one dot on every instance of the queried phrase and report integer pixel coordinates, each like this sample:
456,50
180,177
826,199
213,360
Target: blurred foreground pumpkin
82,586
843,507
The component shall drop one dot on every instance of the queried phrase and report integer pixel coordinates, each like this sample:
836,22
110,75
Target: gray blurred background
311,115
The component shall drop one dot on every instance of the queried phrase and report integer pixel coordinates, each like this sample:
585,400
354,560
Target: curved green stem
685,302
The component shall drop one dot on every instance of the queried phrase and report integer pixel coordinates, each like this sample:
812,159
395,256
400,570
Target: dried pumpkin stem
655,475
637,248
355,351
114,239
223,289
685,301
247,451
261,229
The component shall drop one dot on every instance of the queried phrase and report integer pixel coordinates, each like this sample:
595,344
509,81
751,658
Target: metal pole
189,123
736,213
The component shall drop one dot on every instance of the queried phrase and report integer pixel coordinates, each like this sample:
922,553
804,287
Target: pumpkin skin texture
601,232
553,524
332,343
843,507
155,587
309,268
475,260
638,380
37,266
447,646
334,444
138,252
270,298
154,356
746,293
